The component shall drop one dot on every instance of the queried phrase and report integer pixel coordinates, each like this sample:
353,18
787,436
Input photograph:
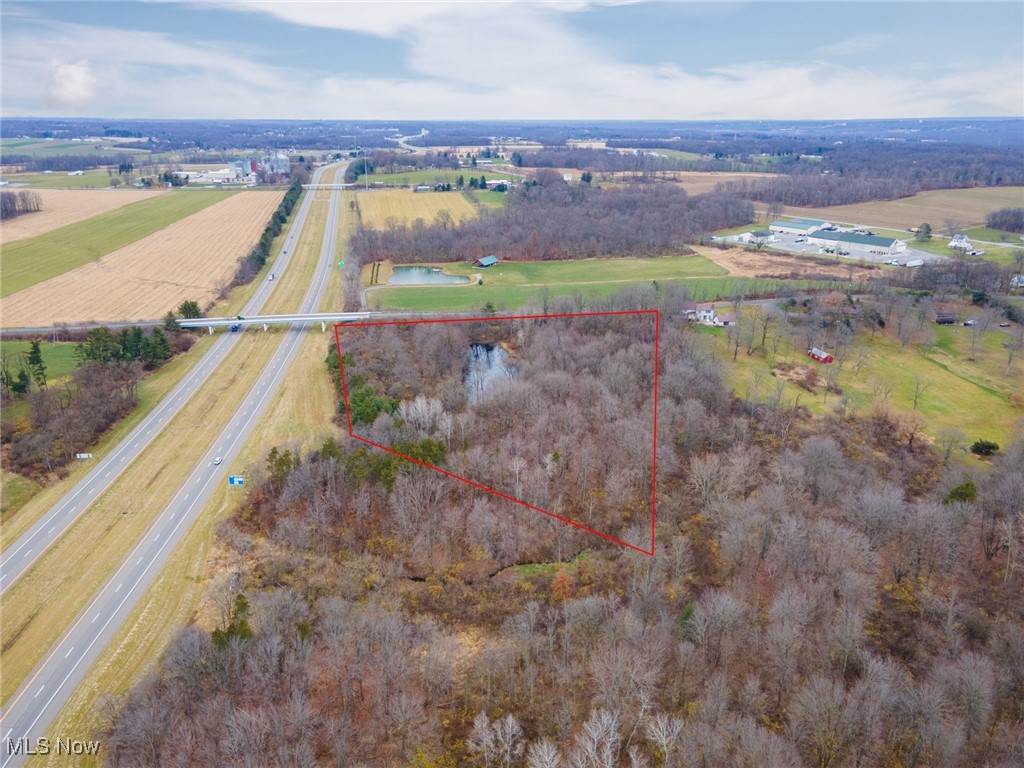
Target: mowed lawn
590,270
60,359
35,259
379,207
96,178
436,176
512,284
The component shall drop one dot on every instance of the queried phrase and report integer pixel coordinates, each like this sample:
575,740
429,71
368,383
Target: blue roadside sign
236,480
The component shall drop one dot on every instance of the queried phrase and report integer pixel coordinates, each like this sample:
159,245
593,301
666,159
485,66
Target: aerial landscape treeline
14,204
553,220
824,592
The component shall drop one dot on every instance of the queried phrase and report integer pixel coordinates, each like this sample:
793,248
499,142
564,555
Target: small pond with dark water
424,276
487,367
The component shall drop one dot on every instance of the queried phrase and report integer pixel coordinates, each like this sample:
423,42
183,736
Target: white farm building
858,244
798,226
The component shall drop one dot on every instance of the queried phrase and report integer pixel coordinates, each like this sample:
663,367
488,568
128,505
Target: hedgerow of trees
1007,219
14,204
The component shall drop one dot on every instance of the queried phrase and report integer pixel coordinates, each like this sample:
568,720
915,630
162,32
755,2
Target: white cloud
536,68
71,84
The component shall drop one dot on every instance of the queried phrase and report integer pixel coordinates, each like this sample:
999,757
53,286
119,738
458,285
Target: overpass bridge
324,318
327,186
209,323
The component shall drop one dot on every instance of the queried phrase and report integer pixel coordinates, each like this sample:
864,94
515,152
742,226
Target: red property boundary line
654,445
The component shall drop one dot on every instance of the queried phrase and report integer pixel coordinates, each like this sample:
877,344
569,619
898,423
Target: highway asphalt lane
42,696
17,558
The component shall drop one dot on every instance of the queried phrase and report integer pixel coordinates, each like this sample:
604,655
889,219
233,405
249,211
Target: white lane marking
118,588
107,475
138,561
69,651
39,691
52,529
94,619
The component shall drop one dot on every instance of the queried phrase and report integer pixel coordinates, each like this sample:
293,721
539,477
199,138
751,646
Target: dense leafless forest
553,220
825,592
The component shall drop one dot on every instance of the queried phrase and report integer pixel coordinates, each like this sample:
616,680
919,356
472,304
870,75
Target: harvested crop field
189,259
376,206
968,207
782,266
66,206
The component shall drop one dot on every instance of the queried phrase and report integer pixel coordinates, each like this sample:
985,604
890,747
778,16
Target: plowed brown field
190,259
968,207
66,206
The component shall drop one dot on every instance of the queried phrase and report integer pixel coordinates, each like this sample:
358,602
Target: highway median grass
35,259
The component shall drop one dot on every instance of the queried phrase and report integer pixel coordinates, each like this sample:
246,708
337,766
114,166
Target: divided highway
17,558
50,685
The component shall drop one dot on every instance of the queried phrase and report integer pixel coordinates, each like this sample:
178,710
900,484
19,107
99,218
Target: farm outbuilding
486,261
820,355
943,317
798,226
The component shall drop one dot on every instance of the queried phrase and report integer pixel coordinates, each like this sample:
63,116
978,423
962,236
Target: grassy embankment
972,396
35,259
300,413
512,284
75,567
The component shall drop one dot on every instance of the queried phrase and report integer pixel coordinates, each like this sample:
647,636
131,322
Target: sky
554,60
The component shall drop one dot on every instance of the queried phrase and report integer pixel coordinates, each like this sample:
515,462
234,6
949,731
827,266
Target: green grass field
939,244
994,235
510,285
57,147
488,199
60,359
436,176
97,178
35,259
972,396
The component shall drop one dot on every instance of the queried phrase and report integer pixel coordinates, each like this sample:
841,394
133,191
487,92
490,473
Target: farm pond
487,367
424,276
